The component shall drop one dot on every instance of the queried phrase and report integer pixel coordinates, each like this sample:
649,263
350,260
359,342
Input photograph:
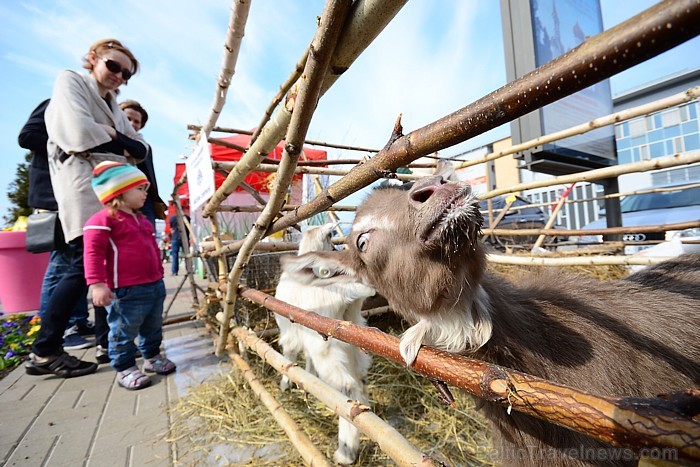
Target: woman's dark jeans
67,293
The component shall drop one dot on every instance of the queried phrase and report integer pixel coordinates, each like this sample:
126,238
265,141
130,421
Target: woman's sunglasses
115,67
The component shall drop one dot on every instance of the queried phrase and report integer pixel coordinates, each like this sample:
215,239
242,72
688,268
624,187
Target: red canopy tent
258,180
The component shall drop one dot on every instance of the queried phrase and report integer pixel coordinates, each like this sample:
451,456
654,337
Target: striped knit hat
111,179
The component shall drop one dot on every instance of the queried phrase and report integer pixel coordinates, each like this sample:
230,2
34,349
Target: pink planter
21,274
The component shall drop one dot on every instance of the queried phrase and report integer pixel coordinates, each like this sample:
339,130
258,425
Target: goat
341,365
418,246
680,275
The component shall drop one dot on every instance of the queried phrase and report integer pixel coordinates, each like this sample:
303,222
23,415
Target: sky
435,57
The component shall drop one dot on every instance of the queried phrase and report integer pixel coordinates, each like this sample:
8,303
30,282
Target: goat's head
417,245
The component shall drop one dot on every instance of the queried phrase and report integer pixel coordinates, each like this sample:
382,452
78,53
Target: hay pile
227,413
223,422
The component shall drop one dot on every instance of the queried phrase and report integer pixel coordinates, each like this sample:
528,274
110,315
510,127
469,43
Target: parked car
525,218
666,207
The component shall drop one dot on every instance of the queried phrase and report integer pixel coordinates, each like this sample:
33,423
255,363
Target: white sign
200,175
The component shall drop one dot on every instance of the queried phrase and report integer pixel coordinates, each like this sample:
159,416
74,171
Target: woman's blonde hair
110,44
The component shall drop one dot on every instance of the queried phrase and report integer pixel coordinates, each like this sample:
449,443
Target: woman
85,127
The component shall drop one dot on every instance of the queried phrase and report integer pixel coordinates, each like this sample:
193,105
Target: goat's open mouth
454,219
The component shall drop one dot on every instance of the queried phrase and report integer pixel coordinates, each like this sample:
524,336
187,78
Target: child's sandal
158,364
133,379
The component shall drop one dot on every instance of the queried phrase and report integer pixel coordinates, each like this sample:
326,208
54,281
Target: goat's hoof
284,383
344,455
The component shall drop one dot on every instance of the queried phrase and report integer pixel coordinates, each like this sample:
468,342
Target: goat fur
418,246
341,365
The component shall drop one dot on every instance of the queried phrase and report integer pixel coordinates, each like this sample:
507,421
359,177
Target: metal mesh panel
262,273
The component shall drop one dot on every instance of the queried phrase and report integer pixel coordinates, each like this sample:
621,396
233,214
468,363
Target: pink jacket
121,251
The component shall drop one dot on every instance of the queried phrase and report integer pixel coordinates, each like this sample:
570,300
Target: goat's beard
460,229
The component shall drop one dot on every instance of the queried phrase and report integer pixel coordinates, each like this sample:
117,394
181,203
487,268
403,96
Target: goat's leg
291,341
342,366
291,355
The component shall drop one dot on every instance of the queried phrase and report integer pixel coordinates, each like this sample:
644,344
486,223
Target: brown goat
418,245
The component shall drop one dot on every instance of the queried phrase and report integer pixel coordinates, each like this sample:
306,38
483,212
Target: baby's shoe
133,379
159,364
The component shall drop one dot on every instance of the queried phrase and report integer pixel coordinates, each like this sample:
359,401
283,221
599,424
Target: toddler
125,273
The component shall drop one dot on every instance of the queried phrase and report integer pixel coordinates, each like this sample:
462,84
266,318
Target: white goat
341,365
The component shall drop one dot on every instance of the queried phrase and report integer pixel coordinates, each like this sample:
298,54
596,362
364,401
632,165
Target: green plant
18,192
17,334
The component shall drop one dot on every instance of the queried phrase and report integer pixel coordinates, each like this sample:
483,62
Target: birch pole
599,57
284,89
391,442
299,439
645,109
309,91
625,421
367,19
552,217
234,37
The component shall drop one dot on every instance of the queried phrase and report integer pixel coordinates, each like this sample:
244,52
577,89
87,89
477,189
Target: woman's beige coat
72,122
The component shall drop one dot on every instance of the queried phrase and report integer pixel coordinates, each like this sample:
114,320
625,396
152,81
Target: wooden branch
284,89
597,58
308,141
226,144
367,19
288,207
553,217
576,261
625,422
645,109
232,247
301,442
587,232
387,437
305,102
183,226
217,243
610,196
234,37
676,160
271,168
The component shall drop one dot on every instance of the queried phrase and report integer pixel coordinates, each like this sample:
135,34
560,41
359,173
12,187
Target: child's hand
101,295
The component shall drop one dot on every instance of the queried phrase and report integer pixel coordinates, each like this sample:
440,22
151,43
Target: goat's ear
328,228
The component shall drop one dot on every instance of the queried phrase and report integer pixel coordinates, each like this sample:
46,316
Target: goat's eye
322,272
363,242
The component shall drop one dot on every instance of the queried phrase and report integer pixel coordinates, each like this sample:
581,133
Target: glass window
673,131
684,113
618,132
669,147
638,127
623,143
678,144
657,150
635,154
693,110
644,152
649,122
624,156
692,142
656,135
657,120
625,129
690,126
638,141
671,117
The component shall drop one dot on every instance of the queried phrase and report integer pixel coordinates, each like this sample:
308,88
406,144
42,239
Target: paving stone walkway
91,421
